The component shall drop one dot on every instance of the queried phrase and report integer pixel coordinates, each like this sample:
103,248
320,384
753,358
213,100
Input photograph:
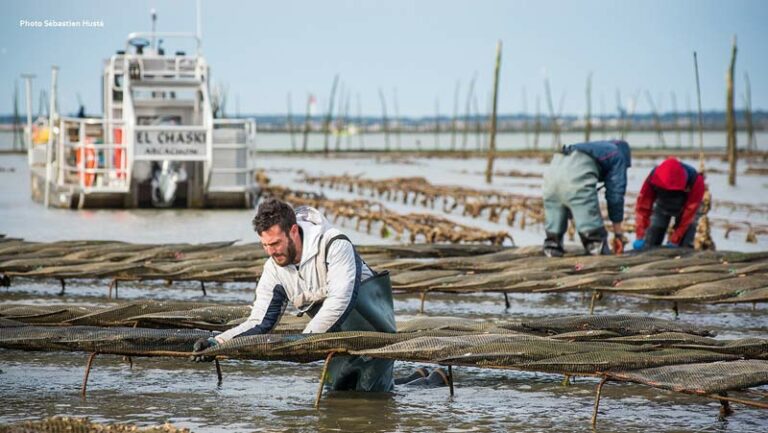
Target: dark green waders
373,311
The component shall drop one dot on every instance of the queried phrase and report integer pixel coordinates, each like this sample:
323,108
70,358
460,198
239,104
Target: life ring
84,164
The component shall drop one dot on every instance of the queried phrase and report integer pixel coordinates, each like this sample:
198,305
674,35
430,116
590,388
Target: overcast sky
262,50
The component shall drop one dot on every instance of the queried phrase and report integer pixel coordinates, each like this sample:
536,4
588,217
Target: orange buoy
118,155
85,158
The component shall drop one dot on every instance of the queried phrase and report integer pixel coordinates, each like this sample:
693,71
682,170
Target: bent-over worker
315,267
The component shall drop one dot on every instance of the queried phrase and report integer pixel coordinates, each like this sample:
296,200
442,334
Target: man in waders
316,268
671,190
570,190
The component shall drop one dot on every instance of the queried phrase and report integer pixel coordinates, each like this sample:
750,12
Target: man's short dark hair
273,211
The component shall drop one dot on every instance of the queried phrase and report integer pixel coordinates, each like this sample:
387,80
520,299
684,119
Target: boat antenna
154,25
199,30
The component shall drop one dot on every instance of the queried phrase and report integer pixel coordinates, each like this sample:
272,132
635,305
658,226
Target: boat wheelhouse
159,142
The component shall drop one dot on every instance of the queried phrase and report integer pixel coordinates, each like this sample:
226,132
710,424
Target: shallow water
275,396
21,217
261,396
257,396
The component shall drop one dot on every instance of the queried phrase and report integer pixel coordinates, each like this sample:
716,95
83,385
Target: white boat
157,143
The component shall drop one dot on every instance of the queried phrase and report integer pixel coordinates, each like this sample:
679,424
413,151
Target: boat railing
234,155
154,67
92,156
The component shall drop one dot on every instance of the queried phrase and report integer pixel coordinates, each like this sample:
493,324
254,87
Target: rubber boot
596,242
553,245
437,378
418,374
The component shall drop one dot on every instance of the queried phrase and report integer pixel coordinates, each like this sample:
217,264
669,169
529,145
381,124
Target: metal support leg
598,391
423,298
676,309
566,380
130,361
218,372
450,379
506,301
63,286
87,372
725,406
112,284
322,379
592,302
202,287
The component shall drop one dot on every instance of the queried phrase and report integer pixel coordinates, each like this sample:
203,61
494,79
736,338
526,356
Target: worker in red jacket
672,190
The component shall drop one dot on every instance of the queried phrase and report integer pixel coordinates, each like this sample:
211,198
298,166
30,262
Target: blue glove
638,244
671,245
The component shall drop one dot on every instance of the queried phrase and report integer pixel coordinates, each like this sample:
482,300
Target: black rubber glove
200,345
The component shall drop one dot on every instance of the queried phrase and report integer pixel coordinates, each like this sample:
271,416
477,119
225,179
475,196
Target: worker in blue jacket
570,190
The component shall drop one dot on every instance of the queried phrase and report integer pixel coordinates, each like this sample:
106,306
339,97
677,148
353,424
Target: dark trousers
660,219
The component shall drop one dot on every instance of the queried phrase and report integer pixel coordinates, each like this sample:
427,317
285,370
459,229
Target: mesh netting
678,275
623,324
118,341
443,346
83,425
701,378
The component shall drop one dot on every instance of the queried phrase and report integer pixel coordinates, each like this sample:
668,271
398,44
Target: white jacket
307,283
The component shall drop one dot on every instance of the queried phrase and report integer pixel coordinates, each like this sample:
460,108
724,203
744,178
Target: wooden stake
396,108
553,122
588,117
751,142
470,92
730,119
305,140
423,298
450,380
384,122
360,127
676,120
701,121
437,123
656,120
454,121
290,123
537,124
492,138
329,115
525,118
